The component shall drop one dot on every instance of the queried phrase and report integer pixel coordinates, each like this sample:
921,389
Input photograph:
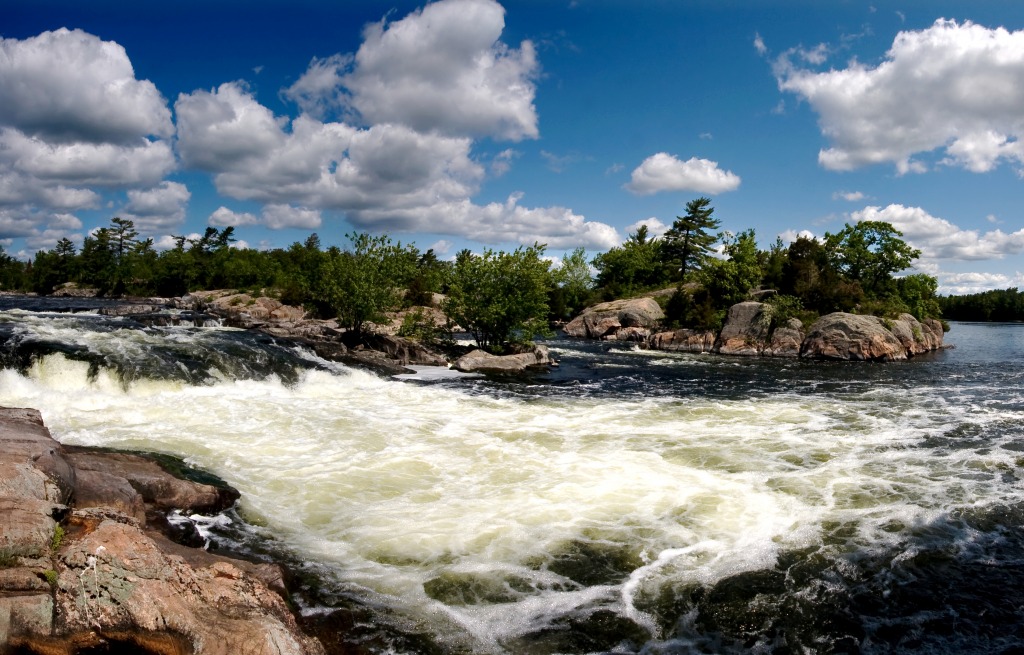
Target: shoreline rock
82,566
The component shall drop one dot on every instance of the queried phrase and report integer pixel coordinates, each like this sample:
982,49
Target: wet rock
685,340
853,337
746,330
156,487
606,319
100,580
478,360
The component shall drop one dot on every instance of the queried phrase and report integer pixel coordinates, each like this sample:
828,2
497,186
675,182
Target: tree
573,284
636,265
687,244
730,280
363,283
870,252
501,298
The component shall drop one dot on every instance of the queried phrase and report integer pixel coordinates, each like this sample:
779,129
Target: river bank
96,553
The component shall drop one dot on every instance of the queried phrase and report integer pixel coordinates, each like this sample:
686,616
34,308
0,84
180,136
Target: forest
503,296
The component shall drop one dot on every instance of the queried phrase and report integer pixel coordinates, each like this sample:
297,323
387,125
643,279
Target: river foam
492,514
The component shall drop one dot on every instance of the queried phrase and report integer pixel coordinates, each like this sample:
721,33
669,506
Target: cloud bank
954,87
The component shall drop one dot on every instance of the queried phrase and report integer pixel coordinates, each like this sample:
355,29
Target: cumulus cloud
968,283
385,177
224,217
75,124
320,90
157,209
664,172
443,68
68,86
938,238
655,228
278,217
955,86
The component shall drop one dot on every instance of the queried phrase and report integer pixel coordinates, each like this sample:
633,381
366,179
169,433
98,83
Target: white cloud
224,217
443,68
502,162
789,236
159,208
957,87
664,172
937,238
68,86
968,283
849,196
442,247
655,228
279,217
759,45
319,92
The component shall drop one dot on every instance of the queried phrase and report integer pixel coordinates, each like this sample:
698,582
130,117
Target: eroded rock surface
81,569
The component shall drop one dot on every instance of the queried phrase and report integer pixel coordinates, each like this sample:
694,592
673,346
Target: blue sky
469,123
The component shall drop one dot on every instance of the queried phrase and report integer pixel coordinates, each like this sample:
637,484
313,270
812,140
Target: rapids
627,501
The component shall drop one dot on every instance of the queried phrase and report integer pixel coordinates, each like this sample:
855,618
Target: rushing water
627,501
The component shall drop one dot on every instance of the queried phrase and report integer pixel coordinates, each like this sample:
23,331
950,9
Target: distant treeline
505,297
998,305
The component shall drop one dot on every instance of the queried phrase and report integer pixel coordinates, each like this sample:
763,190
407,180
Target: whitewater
627,501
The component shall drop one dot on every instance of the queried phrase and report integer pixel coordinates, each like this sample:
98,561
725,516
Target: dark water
892,494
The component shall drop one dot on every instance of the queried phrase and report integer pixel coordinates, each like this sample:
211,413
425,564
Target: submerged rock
81,570
685,340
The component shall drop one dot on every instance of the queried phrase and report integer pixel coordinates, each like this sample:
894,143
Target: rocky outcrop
689,341
606,320
856,337
785,340
82,569
481,361
746,330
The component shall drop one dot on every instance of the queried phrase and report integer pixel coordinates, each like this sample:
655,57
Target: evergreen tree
687,244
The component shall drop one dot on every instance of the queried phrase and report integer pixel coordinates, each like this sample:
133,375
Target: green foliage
58,538
784,308
419,327
730,281
363,283
573,285
917,292
51,578
869,253
995,305
500,297
695,309
635,266
688,243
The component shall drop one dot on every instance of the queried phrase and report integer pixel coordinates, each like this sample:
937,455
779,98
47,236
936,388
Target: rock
103,583
916,337
784,342
852,336
685,340
606,319
478,360
746,330
156,486
637,334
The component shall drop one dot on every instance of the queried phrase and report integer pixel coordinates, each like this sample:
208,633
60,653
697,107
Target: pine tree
688,242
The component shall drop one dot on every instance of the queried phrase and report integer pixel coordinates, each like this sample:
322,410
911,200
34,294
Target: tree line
1003,305
505,298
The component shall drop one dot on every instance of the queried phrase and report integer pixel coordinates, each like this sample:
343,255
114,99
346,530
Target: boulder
852,336
478,360
606,319
785,341
746,330
690,341
915,336
92,578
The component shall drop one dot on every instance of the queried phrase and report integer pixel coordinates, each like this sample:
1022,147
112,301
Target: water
627,501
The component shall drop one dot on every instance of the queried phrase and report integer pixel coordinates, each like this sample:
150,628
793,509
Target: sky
472,123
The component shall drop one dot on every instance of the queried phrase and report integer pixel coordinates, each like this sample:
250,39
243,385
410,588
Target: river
627,501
